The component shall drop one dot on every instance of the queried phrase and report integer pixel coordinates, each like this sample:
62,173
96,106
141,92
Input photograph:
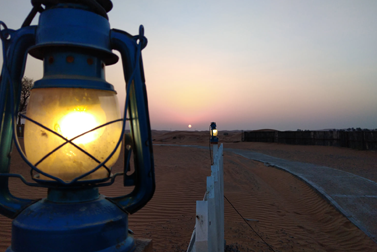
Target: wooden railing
208,235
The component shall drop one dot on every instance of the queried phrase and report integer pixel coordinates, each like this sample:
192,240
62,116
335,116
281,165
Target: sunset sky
247,65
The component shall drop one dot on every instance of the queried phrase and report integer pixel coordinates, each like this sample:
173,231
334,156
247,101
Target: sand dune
291,216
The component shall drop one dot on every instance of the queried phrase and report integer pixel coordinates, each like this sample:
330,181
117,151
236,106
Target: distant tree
27,84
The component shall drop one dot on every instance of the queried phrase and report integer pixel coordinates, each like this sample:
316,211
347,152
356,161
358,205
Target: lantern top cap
213,125
80,27
107,5
99,6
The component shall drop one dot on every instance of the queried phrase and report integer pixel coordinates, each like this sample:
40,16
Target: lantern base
122,247
96,225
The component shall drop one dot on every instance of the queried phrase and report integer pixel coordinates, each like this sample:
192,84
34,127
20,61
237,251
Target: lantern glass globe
71,112
214,132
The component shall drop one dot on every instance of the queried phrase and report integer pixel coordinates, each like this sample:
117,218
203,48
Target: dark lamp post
74,130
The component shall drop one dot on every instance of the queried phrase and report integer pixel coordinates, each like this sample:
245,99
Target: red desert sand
285,213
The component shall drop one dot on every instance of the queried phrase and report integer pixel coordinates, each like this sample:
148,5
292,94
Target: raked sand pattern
286,213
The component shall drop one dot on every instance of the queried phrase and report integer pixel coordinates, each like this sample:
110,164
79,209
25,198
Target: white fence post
208,235
215,149
221,199
201,226
212,214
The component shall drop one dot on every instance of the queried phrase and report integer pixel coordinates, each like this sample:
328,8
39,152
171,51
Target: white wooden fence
208,235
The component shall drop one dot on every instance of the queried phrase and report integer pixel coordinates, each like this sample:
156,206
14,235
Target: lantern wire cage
4,36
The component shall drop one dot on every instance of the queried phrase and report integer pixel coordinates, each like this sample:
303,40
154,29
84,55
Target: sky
247,65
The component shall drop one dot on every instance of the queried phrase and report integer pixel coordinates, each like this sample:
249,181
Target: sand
285,214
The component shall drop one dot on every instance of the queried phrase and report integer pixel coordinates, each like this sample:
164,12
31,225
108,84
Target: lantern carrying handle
15,47
143,177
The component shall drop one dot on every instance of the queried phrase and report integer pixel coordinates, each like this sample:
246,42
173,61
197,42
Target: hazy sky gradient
248,64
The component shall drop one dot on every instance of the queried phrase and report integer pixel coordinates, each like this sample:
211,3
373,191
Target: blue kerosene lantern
74,129
213,134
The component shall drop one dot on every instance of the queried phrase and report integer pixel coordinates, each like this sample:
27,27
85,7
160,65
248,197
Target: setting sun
189,126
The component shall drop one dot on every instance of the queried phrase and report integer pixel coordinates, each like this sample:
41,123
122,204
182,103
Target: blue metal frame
15,57
143,178
79,33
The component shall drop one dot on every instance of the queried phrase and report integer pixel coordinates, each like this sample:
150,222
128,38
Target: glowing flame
78,122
